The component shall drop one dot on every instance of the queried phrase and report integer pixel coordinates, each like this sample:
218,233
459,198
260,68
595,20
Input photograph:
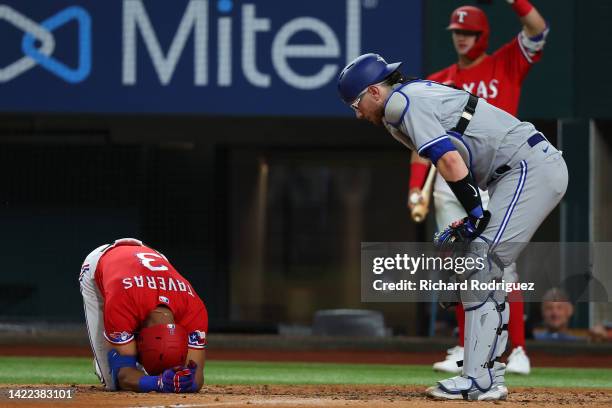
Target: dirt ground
306,396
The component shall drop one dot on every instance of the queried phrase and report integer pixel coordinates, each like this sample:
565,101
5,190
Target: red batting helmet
470,18
161,347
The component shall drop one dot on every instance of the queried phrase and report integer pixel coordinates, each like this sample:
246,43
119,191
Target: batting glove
177,380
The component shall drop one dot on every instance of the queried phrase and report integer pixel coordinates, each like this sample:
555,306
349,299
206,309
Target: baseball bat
419,212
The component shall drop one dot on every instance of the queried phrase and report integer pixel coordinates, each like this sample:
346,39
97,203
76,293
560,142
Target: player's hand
465,230
415,197
193,367
177,379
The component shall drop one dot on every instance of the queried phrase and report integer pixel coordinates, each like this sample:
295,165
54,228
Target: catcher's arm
452,167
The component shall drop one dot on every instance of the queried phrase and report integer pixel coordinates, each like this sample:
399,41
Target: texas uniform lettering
483,90
157,282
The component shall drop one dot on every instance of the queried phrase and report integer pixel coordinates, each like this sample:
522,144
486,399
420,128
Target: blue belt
532,141
535,139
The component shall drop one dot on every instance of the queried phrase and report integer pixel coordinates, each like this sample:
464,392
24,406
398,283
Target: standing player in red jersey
147,326
498,79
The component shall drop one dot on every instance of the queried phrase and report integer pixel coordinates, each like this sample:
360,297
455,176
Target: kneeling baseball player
147,326
473,144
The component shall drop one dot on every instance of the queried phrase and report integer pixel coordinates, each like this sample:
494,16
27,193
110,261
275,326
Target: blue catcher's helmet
363,71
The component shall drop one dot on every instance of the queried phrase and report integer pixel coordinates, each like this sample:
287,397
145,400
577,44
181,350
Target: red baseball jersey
135,279
497,78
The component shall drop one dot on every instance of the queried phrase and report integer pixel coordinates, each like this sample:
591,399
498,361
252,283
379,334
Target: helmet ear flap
480,46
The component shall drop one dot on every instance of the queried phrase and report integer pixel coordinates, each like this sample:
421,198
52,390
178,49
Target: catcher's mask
161,347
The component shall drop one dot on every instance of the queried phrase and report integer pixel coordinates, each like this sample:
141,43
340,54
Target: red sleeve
516,60
196,325
120,322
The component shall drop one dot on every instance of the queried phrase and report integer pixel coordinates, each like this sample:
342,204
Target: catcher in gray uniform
473,144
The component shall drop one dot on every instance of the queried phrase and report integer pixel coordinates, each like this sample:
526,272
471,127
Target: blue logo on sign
43,33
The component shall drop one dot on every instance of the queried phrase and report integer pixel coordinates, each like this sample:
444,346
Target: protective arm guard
467,193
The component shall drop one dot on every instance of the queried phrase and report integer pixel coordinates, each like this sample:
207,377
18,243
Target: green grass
52,370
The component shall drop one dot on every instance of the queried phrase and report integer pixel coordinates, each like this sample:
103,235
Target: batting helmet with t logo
162,346
470,18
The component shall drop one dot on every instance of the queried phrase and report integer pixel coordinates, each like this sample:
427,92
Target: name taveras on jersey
157,282
482,89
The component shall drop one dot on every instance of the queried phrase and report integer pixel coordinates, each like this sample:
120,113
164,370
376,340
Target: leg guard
486,336
485,341
486,321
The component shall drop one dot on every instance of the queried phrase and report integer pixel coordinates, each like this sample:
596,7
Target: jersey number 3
147,259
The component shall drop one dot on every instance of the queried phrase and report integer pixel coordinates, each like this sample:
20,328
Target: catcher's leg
520,201
486,322
93,304
447,210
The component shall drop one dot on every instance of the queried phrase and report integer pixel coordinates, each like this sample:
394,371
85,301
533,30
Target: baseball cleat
496,393
518,362
449,365
437,393
464,388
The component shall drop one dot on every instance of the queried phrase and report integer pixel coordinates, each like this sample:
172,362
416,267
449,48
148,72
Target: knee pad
479,250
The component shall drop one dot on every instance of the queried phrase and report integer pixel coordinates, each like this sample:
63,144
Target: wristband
148,383
418,174
467,193
522,7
